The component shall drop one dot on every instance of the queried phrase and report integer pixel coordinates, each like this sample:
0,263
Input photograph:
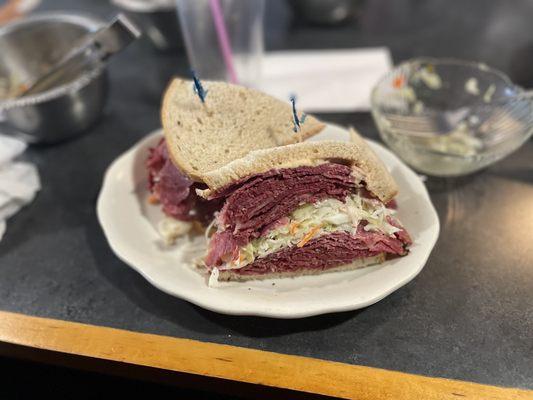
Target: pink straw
223,39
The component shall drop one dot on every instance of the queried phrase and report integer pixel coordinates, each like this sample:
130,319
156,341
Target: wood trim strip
239,364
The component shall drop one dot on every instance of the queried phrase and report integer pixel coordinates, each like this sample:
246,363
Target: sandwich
275,207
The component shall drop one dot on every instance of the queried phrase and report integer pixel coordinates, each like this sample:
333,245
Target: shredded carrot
232,258
241,257
153,199
398,82
308,236
293,226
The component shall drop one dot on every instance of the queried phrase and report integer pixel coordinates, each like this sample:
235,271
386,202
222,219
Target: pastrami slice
222,248
326,252
169,186
174,190
261,200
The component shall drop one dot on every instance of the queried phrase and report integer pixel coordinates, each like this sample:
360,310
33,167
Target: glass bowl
448,117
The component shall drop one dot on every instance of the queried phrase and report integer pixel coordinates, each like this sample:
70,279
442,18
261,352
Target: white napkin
325,80
10,148
19,181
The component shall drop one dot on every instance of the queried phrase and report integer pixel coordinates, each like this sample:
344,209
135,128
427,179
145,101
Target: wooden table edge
238,364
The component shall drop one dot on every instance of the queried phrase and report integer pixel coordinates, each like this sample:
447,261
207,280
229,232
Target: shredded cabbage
313,220
213,278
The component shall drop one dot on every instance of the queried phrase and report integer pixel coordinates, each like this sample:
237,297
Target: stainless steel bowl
28,47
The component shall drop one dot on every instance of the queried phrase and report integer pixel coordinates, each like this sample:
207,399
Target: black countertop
468,315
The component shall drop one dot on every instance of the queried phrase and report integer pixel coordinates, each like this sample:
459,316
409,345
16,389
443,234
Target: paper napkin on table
325,80
19,181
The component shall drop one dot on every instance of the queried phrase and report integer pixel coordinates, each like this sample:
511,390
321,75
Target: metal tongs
91,50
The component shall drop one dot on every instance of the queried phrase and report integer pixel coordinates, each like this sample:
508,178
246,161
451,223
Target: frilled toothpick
296,121
198,88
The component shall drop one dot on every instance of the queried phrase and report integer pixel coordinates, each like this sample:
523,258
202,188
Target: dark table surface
468,315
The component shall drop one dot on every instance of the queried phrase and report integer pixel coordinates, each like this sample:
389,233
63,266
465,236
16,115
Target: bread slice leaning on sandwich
275,207
233,121
301,209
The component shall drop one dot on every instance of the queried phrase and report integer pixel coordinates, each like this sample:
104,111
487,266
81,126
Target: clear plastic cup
231,51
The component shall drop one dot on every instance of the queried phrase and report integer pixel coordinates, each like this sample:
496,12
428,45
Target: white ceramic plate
129,224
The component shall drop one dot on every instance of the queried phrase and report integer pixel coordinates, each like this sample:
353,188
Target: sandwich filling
311,221
301,218
312,217
254,204
174,190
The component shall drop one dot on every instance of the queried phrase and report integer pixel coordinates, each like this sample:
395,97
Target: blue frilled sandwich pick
198,88
295,119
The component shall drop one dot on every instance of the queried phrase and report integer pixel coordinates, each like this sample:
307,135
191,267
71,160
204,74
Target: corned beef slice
326,252
175,191
155,162
257,202
222,248
169,185
402,234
